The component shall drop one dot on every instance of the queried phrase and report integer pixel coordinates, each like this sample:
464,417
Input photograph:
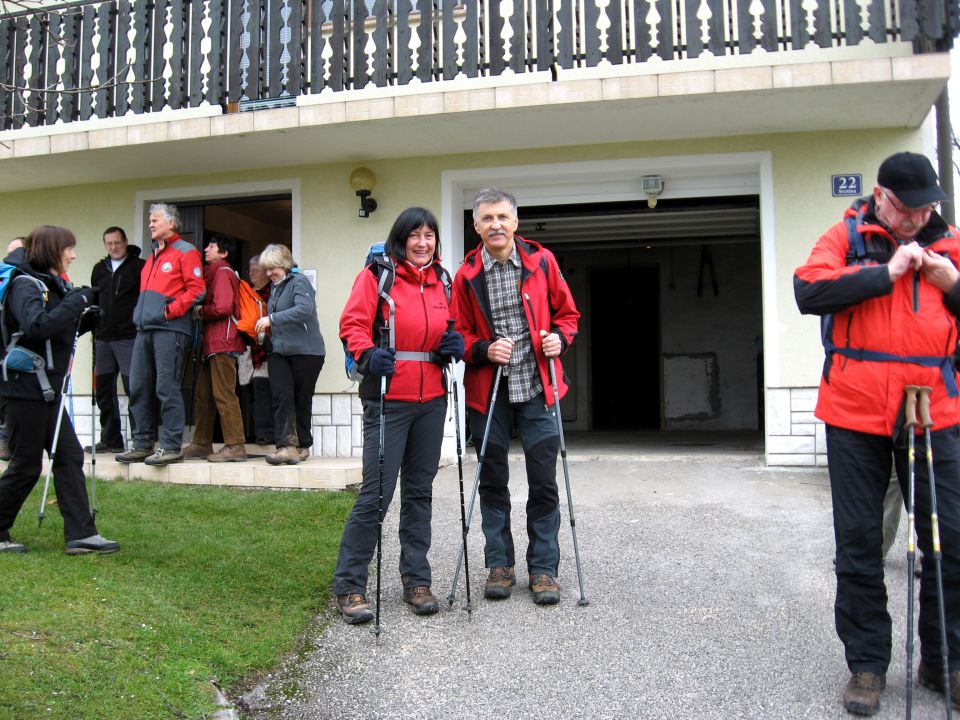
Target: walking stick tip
583,602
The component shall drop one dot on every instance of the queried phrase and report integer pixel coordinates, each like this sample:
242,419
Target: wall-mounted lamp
362,180
652,186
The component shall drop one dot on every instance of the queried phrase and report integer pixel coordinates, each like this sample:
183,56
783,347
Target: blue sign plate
847,185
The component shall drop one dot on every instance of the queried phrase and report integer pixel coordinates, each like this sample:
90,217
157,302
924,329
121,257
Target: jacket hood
18,257
864,210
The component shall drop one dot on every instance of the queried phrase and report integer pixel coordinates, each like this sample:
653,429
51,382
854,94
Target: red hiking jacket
547,303
220,334
171,283
420,321
908,318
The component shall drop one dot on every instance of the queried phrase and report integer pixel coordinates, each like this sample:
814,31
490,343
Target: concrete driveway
710,585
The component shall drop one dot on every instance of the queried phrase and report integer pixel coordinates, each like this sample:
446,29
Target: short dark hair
115,229
226,244
45,245
409,220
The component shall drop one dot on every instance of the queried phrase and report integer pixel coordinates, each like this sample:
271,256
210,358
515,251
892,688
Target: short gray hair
170,212
276,256
255,260
493,195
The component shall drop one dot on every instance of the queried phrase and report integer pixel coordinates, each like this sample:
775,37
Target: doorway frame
685,176
173,195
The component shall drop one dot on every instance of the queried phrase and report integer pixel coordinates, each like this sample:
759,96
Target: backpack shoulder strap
444,277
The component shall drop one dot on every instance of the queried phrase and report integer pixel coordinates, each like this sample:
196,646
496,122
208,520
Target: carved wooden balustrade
105,59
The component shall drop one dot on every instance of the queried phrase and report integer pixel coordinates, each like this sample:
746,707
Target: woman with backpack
406,342
42,306
296,354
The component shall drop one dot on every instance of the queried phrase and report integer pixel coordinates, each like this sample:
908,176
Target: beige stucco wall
334,239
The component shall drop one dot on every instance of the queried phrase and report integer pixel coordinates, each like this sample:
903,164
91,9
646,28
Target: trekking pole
386,335
909,426
476,483
463,516
63,403
926,422
93,433
566,477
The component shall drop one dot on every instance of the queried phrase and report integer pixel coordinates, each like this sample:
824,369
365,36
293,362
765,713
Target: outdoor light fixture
362,180
652,186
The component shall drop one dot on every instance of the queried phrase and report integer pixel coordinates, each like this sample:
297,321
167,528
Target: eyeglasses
904,210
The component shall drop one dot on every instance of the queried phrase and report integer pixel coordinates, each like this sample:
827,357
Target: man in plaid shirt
516,313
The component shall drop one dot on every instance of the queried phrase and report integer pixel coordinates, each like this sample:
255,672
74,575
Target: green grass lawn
210,584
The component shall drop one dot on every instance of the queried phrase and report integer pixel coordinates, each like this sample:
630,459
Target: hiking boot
9,546
499,583
193,450
228,453
102,447
289,455
304,454
164,457
94,543
545,589
423,601
861,696
134,455
932,678
354,608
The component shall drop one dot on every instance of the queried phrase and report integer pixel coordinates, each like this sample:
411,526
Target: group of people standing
508,314
144,313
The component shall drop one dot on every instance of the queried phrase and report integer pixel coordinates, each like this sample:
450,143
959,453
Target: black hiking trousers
860,465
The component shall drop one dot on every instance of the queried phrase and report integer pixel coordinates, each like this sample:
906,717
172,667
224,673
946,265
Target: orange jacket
863,310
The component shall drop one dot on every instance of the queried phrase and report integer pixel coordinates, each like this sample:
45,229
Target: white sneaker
8,546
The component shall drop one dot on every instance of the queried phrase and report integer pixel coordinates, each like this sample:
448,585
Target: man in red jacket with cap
515,312
884,279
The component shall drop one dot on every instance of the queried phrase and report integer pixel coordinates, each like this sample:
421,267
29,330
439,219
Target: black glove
88,294
451,346
383,362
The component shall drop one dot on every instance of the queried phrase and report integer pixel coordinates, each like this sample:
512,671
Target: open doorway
253,223
625,353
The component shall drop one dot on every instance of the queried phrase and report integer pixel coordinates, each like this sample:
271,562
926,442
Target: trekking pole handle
451,323
910,406
925,420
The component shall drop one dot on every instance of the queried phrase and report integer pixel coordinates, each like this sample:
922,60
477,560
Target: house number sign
847,185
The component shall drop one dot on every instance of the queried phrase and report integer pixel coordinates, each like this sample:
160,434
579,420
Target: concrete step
315,473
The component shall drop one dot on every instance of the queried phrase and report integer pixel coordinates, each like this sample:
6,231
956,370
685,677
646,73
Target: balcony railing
114,58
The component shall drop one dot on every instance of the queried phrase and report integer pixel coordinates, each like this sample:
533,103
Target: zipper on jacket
916,291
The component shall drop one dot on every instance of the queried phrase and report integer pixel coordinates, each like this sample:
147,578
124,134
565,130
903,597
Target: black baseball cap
911,178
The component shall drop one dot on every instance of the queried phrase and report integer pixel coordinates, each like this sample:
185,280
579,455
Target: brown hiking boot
304,454
545,590
932,679
192,451
861,696
354,608
228,453
289,455
499,583
424,602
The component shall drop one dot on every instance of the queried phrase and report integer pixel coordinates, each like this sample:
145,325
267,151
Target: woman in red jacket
408,345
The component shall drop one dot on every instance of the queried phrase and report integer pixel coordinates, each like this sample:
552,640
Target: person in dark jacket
170,285
890,321
216,390
296,355
414,409
117,280
41,306
16,243
515,311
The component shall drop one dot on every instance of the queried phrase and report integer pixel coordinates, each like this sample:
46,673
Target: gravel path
710,586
